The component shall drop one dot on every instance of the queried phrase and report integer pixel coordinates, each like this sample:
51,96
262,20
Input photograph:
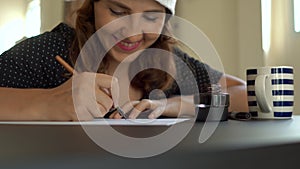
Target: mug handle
261,95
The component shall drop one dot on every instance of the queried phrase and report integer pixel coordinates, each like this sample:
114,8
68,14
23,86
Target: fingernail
151,116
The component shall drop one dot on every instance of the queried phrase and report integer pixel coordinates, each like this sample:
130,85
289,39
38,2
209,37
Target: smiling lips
128,46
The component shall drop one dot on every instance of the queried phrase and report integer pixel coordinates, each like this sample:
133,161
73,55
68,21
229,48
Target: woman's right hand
91,97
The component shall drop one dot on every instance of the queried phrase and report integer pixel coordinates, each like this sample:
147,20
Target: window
19,25
266,12
33,19
297,15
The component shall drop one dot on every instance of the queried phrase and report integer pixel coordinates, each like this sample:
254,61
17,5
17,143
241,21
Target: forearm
238,98
180,106
20,104
237,90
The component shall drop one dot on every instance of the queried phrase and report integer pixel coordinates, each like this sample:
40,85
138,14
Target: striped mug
271,92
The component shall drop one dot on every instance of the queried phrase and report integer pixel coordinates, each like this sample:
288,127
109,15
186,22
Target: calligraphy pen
70,69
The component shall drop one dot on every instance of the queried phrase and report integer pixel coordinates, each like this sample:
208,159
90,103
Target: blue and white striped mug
271,92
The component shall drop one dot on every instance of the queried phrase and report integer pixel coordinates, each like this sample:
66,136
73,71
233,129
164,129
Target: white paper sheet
120,122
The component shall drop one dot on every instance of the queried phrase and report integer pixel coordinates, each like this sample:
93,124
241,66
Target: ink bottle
211,104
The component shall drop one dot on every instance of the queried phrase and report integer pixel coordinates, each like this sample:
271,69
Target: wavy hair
146,80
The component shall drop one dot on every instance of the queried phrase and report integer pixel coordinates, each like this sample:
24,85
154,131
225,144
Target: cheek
107,25
151,38
154,28
101,19
99,23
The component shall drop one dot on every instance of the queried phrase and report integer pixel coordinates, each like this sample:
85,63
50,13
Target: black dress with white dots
31,63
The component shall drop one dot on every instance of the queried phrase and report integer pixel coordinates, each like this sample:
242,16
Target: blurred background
245,33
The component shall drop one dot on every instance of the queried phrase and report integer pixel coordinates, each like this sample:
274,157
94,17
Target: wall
8,14
234,27
13,15
11,19
218,20
52,13
250,52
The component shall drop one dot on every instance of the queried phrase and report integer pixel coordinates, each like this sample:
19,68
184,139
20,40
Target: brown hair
146,80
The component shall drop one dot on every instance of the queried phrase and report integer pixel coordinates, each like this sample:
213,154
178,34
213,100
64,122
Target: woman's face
139,25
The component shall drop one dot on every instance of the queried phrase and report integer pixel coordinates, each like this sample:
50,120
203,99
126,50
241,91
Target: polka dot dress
197,72
32,64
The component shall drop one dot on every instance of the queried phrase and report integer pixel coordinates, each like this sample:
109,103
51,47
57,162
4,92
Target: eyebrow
121,5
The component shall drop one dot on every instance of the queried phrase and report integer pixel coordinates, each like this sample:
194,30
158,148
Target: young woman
34,86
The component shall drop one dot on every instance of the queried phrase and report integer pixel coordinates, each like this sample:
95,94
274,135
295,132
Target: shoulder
179,53
63,29
203,72
33,59
191,62
62,34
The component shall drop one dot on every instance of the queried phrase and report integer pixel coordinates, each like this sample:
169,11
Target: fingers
115,115
104,81
105,95
115,90
126,108
156,113
129,106
104,101
110,85
107,92
151,109
100,99
143,105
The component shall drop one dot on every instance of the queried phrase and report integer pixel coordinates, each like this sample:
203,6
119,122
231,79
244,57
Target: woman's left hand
171,107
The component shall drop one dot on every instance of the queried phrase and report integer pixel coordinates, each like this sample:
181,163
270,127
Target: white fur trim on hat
170,4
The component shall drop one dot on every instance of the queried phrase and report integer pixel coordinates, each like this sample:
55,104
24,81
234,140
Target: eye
116,12
150,17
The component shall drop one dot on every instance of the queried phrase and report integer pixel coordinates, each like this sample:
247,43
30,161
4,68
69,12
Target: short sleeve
189,72
31,63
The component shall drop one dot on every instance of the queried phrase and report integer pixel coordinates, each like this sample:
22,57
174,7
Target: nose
133,31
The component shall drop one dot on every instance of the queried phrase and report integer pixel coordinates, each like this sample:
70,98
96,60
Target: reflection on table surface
34,146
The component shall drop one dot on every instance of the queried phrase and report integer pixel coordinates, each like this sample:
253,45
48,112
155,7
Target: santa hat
170,4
